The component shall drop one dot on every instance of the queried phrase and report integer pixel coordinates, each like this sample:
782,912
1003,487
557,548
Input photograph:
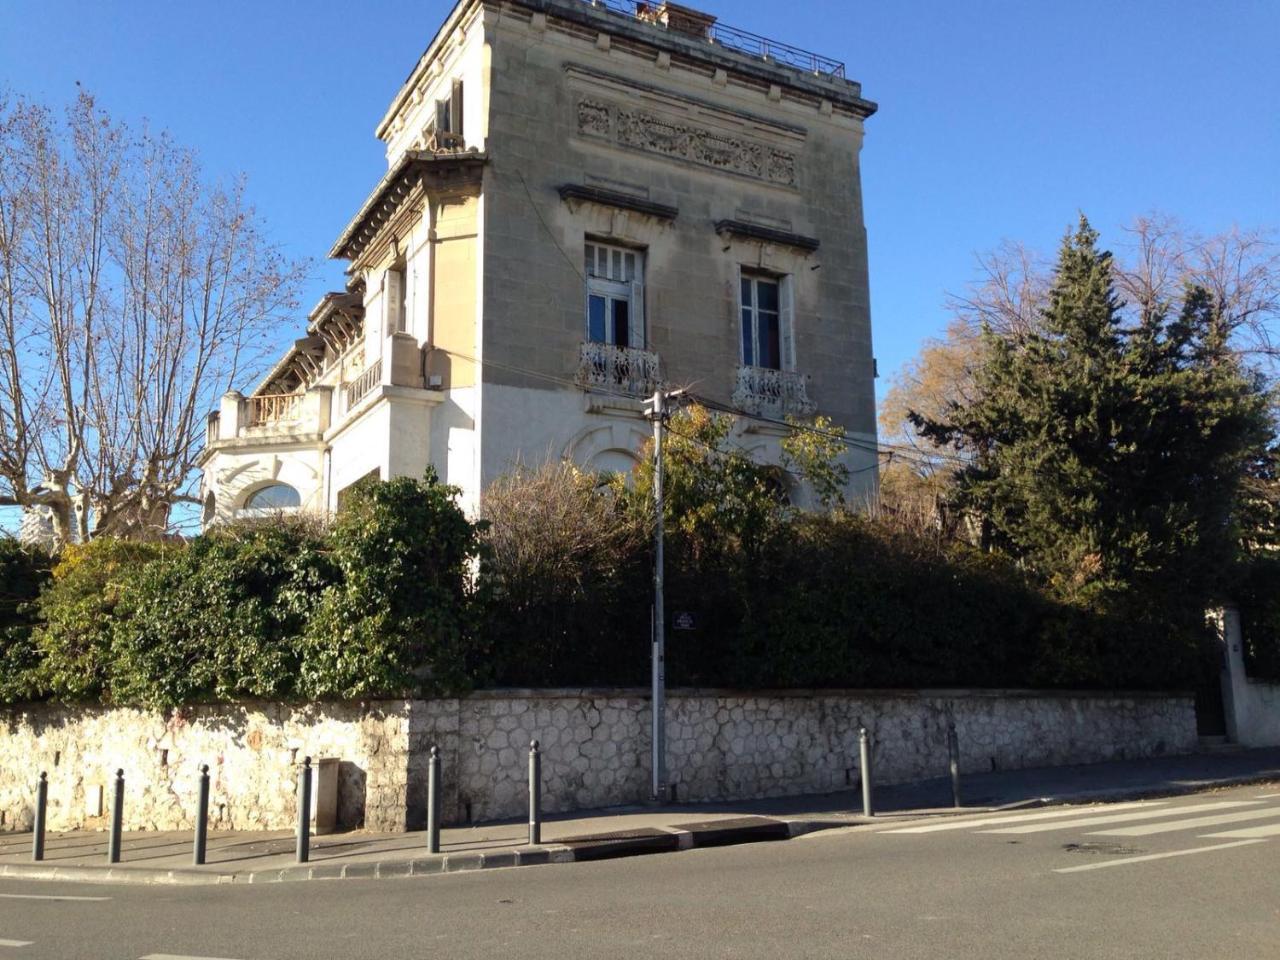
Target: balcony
270,417
274,409
308,415
773,393
624,370
363,385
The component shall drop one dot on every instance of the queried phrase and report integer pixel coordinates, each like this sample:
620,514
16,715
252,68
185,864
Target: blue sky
999,119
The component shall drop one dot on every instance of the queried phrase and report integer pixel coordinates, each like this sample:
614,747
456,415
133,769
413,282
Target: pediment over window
753,231
572,192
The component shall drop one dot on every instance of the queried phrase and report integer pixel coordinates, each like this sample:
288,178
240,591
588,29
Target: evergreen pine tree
1110,459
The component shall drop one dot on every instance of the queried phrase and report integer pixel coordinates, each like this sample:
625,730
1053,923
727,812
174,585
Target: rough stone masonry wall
595,745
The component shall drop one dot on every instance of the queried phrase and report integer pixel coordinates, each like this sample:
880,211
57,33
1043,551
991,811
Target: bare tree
132,294
1240,268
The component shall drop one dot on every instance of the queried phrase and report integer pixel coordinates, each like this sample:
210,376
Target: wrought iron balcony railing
773,393
618,369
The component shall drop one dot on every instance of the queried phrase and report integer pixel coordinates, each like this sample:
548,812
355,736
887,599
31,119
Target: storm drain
1107,849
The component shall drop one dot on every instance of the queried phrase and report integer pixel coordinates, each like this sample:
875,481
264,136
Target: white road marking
966,822
1146,829
1155,856
16,943
1267,796
1269,830
176,956
1096,821
46,896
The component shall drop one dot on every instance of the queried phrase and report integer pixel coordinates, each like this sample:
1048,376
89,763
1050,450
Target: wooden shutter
635,335
787,322
456,108
391,295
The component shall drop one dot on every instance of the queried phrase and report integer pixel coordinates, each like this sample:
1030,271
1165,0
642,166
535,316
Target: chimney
677,19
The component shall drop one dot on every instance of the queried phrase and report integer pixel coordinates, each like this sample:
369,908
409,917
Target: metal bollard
535,794
202,817
864,758
304,811
433,802
37,828
953,754
117,820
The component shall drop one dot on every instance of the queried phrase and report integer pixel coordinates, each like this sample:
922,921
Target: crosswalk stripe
1123,817
1146,829
967,822
1154,856
1268,830
15,943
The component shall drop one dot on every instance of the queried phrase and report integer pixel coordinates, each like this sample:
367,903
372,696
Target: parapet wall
595,745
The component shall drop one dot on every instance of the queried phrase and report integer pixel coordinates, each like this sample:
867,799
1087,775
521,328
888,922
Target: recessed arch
272,496
614,460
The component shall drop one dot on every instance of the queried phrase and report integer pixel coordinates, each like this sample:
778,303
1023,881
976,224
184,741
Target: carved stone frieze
594,118
651,133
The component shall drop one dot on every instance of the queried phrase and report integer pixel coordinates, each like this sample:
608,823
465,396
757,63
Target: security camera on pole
658,735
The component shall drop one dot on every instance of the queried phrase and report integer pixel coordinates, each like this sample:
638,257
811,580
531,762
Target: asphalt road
1195,877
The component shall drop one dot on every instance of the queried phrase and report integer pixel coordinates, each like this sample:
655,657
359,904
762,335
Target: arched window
274,496
777,485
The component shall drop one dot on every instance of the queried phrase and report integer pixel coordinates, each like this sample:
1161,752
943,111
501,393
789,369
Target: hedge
403,595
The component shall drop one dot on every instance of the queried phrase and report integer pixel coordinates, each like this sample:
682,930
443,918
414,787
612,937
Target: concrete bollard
37,828
864,759
117,819
304,811
433,802
202,818
535,795
953,756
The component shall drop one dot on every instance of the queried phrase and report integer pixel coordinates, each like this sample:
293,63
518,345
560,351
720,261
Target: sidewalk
241,857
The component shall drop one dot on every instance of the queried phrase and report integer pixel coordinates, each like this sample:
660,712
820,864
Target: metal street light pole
658,734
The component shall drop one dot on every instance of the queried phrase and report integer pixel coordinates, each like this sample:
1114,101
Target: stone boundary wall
723,745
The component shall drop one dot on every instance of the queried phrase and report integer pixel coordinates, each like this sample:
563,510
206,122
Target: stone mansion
582,200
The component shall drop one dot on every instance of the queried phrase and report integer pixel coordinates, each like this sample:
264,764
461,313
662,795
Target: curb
606,846
1146,792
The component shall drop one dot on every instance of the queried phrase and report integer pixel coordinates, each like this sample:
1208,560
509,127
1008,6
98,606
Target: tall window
449,111
767,312
615,295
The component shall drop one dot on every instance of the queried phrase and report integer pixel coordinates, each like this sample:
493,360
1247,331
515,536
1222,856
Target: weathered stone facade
595,744
531,134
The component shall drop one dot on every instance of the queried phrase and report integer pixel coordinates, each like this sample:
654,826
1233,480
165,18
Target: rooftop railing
731,38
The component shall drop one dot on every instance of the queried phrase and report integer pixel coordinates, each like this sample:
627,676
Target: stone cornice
839,92
600,79
621,201
383,204
751,231
846,93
